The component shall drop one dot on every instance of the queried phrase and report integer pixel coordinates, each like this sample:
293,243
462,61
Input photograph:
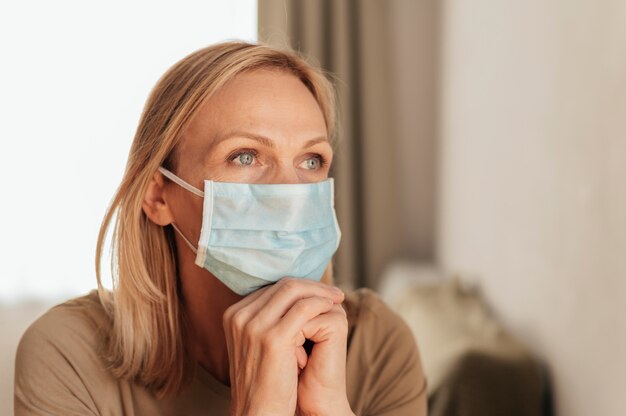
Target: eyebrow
264,140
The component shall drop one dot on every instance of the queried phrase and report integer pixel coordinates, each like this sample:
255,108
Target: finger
252,297
329,326
287,293
302,357
302,312
261,296
239,308
327,362
269,304
293,288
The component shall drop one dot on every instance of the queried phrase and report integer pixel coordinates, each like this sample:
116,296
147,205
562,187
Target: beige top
58,370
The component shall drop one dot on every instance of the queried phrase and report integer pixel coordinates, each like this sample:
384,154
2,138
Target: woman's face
264,126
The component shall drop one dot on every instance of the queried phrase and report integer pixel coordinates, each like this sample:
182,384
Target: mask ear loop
195,250
191,189
181,182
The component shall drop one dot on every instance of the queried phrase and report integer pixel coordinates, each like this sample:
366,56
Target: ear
154,204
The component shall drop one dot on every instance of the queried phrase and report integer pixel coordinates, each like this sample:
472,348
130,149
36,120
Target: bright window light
74,78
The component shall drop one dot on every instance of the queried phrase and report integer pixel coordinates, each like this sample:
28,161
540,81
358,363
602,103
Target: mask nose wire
191,189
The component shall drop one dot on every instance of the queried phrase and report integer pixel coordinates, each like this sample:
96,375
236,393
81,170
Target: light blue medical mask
255,234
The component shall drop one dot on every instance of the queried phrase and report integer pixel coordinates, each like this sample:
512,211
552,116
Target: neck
205,299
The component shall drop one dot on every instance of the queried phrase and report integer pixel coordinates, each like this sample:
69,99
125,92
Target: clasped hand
270,372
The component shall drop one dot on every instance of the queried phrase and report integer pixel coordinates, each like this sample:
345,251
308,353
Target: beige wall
533,181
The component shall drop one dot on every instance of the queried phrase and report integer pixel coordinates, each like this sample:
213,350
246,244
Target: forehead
270,102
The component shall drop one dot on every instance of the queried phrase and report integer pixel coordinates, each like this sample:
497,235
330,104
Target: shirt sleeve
396,384
48,380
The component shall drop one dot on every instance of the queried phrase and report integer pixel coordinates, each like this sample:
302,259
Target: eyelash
254,153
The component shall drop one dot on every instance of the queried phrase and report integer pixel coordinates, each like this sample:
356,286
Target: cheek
187,212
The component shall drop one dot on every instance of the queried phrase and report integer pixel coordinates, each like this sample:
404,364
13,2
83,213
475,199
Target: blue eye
315,162
245,158
312,163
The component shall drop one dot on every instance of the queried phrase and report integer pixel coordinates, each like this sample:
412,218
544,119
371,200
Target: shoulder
78,323
369,315
384,369
59,356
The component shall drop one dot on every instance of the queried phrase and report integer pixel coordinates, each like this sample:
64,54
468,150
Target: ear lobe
154,205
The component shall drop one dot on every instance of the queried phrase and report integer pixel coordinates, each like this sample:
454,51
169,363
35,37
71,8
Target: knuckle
290,286
248,329
340,310
228,316
238,320
285,280
303,308
340,316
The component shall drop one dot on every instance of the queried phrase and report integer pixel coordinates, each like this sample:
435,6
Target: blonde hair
146,341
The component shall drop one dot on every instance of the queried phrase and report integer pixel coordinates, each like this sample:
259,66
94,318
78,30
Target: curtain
384,161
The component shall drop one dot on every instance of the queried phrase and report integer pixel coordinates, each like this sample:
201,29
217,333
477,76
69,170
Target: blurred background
480,172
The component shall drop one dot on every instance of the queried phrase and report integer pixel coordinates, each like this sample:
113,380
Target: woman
232,151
